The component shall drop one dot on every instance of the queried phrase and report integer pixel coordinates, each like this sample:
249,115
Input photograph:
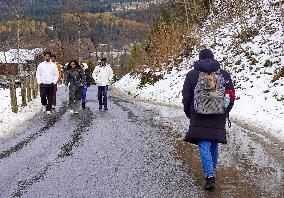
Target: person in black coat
206,130
77,80
85,69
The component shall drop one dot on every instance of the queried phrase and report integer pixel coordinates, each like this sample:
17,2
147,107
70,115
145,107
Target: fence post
29,88
13,94
23,91
35,87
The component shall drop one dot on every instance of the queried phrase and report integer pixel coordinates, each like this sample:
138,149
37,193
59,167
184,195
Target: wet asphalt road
132,150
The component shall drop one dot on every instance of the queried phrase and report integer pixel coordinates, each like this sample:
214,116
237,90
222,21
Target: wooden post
36,86
13,94
33,85
29,88
23,92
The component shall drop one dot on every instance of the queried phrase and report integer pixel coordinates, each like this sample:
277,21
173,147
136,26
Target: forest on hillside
43,9
70,27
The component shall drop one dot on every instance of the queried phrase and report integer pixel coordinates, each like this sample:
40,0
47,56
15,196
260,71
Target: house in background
10,65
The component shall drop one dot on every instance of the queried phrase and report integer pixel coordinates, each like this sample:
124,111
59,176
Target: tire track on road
66,150
50,122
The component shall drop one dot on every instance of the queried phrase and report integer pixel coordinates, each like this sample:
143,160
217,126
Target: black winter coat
88,77
205,127
77,80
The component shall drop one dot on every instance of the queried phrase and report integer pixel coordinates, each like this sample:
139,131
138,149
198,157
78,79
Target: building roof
25,55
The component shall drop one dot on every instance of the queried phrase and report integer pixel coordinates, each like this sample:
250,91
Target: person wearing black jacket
85,69
206,130
76,78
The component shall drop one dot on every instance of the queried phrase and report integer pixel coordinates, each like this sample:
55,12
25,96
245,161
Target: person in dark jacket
76,78
206,130
84,67
59,67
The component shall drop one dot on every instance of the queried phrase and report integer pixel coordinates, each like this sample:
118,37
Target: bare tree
17,12
77,7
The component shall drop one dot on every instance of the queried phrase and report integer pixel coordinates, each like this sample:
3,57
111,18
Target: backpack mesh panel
209,101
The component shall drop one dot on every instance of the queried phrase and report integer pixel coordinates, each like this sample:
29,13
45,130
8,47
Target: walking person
85,69
208,97
59,68
76,78
103,75
47,76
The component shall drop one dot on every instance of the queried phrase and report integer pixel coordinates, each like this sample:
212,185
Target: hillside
248,40
47,9
59,25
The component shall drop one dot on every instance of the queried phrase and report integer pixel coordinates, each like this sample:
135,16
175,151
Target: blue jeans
209,154
84,95
102,95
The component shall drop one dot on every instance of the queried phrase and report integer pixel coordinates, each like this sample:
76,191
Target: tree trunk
23,92
79,39
29,88
13,95
187,17
18,40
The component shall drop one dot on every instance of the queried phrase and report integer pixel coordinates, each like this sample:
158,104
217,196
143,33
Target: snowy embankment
12,122
252,64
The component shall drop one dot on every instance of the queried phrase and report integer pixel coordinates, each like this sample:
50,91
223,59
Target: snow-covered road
133,150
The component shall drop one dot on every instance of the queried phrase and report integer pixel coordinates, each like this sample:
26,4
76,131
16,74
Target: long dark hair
76,63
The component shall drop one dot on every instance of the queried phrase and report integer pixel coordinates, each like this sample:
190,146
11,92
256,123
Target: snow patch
11,122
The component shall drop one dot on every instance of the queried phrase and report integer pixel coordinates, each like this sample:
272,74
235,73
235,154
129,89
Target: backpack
210,94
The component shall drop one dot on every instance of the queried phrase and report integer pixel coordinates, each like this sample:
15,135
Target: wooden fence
29,90
20,76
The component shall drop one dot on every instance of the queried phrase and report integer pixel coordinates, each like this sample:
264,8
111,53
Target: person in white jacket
47,76
102,76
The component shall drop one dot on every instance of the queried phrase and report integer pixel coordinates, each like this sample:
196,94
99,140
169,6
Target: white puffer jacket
103,75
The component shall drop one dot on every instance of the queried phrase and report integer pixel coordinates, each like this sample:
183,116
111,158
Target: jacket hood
207,65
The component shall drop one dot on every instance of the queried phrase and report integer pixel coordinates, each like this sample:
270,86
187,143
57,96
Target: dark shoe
210,182
83,105
106,109
100,107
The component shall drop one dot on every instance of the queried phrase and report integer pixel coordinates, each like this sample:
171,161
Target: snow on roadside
266,114
11,122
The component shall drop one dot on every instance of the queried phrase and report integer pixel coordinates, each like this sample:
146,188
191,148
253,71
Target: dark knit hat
104,59
206,54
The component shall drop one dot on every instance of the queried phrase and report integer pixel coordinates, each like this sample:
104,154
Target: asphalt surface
133,150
